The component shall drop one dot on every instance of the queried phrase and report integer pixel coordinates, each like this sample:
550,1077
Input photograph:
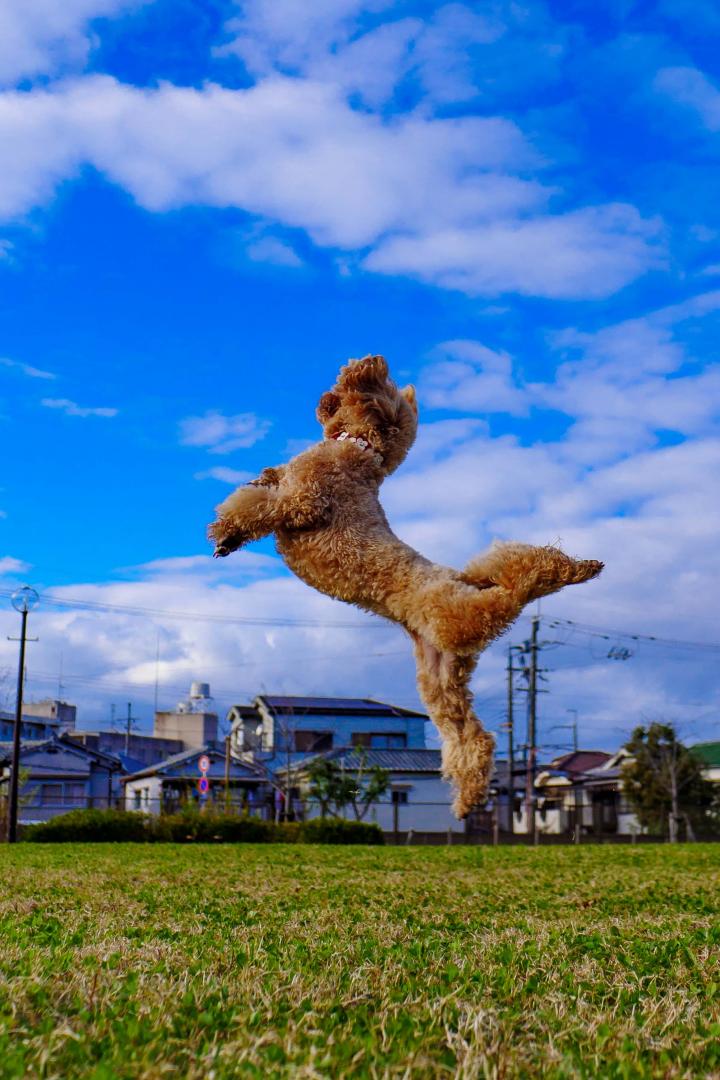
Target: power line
609,635
374,623
195,616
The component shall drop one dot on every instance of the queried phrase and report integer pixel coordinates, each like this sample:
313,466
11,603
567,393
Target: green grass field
308,961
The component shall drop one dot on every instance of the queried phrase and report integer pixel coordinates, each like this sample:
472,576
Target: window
380,740
51,794
137,799
75,794
313,741
399,798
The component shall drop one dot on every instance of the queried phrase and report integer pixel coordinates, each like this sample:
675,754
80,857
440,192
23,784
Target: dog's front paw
226,538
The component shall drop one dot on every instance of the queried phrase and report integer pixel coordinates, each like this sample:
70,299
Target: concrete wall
194,729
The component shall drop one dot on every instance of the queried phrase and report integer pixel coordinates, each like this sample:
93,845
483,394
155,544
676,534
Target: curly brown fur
331,530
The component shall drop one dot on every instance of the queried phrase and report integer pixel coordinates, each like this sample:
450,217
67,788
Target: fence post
409,837
495,827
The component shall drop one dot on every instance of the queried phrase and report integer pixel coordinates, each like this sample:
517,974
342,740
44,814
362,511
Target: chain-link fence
402,822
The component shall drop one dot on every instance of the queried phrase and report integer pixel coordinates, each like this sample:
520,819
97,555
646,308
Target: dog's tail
467,749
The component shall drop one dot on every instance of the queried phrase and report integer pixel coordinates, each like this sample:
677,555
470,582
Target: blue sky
206,207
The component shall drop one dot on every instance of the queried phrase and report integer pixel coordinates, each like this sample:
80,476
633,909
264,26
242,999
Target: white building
417,798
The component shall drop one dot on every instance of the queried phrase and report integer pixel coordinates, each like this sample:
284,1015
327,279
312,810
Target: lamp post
23,600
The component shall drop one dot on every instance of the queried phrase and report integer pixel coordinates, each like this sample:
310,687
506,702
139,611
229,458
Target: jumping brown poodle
331,530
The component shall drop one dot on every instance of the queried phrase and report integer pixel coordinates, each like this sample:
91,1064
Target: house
417,798
40,720
60,776
280,731
174,782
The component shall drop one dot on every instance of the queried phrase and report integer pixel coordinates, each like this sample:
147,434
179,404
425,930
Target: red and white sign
203,763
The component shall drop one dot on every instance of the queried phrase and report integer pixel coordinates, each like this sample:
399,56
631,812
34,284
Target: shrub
89,826
191,826
339,831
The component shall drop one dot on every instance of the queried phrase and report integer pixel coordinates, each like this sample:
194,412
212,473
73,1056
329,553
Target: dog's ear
327,406
408,392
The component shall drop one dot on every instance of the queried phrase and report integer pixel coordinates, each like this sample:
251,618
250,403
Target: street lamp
23,600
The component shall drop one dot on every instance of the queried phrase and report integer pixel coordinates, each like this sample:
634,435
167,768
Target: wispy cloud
221,434
71,408
12,566
268,249
27,369
225,475
690,87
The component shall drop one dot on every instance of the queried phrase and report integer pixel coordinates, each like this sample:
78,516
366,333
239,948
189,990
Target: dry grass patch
132,961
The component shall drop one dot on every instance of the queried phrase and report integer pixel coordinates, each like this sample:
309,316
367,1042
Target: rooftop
352,759
335,705
707,752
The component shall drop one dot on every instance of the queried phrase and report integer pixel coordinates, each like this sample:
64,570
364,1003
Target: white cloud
225,475
268,249
466,375
588,253
620,385
294,152
222,434
39,36
27,369
11,566
690,87
71,408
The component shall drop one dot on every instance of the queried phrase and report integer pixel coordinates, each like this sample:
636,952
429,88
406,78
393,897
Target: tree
663,780
334,788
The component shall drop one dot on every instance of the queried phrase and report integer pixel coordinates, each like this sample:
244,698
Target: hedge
89,825
190,826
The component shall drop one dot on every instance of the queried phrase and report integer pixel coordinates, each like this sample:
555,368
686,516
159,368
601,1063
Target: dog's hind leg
528,572
467,749
462,614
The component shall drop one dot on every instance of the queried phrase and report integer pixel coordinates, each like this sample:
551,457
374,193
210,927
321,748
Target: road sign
203,785
203,763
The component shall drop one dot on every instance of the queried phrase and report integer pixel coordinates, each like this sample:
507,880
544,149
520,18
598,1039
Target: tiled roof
177,761
579,761
427,761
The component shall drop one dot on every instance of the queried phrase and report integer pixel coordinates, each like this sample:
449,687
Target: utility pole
532,732
128,727
574,728
509,726
23,600
227,774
